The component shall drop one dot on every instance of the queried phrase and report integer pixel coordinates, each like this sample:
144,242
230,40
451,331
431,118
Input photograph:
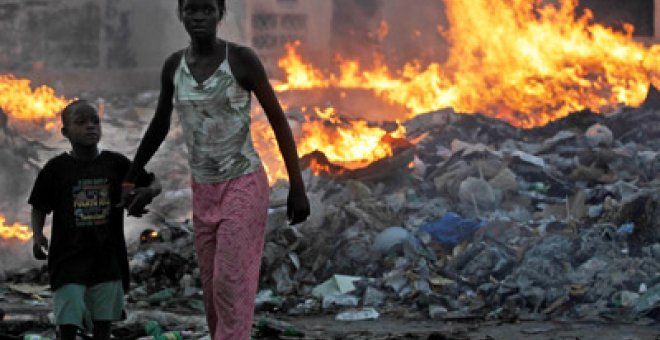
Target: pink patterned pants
230,221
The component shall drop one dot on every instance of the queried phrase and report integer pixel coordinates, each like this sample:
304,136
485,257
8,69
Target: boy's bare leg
68,332
102,330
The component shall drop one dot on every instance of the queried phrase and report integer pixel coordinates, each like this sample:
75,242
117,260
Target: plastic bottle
171,335
273,327
152,328
358,315
340,300
35,337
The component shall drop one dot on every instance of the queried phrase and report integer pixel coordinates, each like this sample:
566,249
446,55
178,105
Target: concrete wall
270,24
97,45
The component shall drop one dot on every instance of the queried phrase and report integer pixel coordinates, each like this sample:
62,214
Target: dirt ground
390,327
325,327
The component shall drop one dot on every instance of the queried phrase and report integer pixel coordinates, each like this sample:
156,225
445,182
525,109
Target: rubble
492,223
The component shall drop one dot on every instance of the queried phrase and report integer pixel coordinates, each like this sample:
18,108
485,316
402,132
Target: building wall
99,45
270,24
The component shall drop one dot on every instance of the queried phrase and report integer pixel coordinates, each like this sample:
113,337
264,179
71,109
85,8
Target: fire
522,61
299,74
266,146
352,144
19,231
21,103
542,61
349,143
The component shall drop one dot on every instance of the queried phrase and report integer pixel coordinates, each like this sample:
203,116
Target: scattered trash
337,284
367,313
267,326
626,228
153,329
341,300
437,312
266,300
452,228
649,302
35,337
478,220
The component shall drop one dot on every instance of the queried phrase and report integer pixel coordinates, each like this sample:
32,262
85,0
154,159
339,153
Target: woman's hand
134,200
140,197
297,205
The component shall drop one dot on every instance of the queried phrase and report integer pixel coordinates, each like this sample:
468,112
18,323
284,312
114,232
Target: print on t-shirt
91,202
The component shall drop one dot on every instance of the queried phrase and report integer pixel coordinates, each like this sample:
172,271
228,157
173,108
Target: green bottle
172,335
273,327
153,328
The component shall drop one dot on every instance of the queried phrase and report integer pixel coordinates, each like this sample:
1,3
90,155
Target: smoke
16,255
615,13
16,174
400,30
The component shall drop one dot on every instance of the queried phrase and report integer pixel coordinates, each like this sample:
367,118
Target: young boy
87,257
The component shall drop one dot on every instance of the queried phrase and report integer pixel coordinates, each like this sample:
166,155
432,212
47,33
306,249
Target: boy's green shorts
77,304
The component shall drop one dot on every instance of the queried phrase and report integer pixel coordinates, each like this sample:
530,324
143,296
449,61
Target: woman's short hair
221,6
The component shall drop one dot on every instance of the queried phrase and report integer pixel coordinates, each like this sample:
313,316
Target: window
264,41
293,22
264,22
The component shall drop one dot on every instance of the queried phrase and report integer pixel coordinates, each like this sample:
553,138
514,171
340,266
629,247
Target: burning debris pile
476,220
488,221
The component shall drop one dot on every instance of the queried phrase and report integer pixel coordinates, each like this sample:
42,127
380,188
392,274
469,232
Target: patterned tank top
215,119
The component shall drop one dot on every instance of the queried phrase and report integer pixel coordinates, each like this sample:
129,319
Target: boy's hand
127,193
297,206
40,246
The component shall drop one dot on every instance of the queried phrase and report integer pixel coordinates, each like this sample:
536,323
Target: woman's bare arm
252,76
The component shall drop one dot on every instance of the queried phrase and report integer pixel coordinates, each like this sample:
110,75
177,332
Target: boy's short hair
221,6
70,108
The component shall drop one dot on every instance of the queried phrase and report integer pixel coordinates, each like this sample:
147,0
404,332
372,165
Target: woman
210,84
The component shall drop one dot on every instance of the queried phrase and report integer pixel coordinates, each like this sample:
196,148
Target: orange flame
318,168
299,74
266,146
19,231
518,60
351,144
21,103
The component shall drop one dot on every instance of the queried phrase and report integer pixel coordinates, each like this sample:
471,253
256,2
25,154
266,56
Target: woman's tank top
215,117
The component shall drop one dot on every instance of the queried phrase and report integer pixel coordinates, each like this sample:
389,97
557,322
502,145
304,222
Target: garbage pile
492,222
484,221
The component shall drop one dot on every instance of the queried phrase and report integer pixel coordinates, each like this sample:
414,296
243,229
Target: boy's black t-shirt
87,238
